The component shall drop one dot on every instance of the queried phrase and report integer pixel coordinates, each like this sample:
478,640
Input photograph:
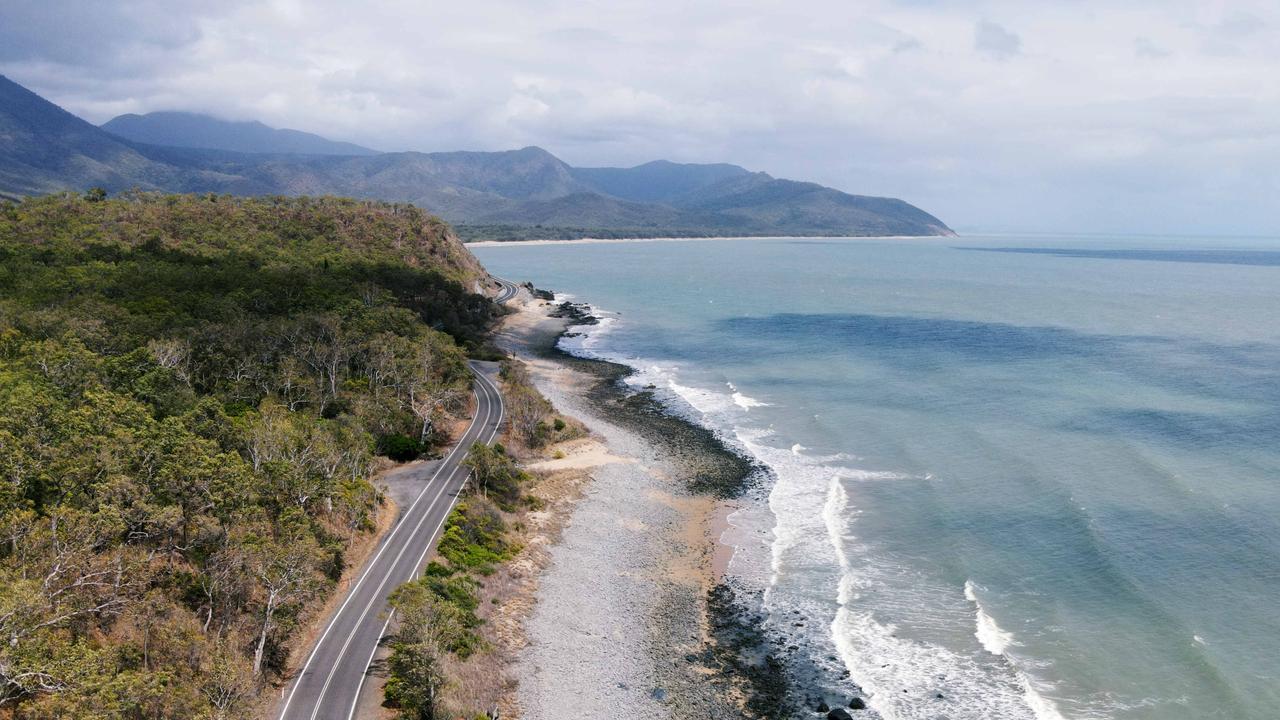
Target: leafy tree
285,571
428,627
494,473
473,536
399,447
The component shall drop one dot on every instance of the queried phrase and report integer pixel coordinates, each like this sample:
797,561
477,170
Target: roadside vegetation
438,624
534,422
443,640
193,394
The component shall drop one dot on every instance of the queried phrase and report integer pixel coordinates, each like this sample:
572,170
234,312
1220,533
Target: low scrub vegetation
475,541
534,421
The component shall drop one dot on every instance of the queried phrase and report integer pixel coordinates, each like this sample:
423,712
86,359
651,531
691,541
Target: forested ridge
193,392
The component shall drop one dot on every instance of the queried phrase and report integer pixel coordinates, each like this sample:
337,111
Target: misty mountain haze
497,194
182,129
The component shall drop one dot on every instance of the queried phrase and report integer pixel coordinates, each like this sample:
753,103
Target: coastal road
507,291
329,684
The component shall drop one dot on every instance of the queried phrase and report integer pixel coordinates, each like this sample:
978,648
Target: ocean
1010,477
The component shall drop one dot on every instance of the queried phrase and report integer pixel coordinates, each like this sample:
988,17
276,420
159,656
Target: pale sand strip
620,594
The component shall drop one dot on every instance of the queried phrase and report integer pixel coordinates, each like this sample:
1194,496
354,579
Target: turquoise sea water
1039,477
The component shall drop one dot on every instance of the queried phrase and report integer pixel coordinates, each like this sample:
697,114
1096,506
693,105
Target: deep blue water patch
986,342
1194,430
1245,372
1265,258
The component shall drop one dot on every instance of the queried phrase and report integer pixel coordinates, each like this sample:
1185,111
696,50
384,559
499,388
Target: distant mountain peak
45,149
194,130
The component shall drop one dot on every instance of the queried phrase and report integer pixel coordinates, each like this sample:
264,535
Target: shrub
472,539
399,447
495,474
437,569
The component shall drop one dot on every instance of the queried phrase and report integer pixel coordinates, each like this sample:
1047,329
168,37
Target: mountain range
502,195
192,130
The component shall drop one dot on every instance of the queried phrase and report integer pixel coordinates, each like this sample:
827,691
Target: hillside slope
660,181
516,193
43,148
193,130
193,392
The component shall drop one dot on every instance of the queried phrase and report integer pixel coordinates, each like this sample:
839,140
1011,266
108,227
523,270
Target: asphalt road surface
508,291
329,684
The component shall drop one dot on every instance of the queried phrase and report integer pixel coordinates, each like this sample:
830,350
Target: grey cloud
881,97
1235,32
67,31
995,40
1144,47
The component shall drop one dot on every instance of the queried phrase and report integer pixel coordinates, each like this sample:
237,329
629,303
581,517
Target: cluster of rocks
576,313
539,294
840,713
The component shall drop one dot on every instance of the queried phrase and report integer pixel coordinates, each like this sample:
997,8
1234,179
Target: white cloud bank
1091,115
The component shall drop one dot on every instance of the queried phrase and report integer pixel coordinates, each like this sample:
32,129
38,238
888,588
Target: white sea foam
745,402
1043,707
903,675
815,558
993,637
584,340
705,401
711,407
814,546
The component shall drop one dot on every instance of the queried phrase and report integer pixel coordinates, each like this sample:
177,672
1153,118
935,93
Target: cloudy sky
1071,115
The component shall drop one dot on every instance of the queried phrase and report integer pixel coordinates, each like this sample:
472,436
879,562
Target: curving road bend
329,684
506,291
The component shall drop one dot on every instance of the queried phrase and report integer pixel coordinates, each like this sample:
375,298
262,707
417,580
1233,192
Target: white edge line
352,593
324,689
355,702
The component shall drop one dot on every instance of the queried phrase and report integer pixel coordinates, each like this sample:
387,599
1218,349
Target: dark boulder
839,714
857,704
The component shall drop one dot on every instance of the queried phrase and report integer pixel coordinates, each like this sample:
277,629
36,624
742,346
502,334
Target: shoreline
667,634
602,241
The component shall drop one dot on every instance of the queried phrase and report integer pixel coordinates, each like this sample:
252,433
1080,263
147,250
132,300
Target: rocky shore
633,609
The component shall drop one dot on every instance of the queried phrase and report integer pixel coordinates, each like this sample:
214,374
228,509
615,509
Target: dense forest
193,392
